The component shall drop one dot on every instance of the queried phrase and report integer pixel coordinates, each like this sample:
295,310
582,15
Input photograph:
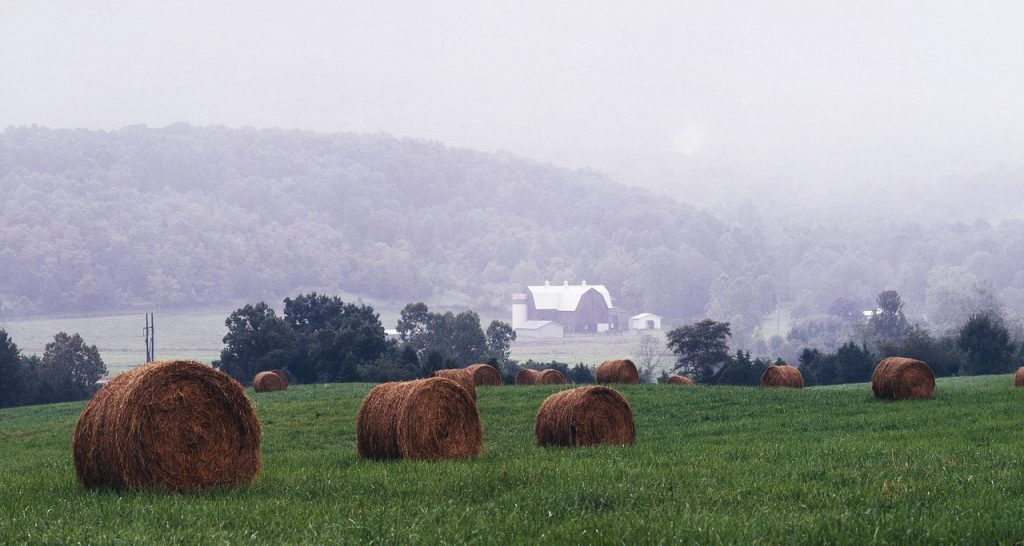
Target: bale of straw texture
484,374
432,418
284,376
680,380
1018,378
268,382
462,377
173,425
902,379
527,377
585,416
551,377
782,375
618,371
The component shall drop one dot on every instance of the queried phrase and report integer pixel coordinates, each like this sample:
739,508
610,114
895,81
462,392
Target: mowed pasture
710,465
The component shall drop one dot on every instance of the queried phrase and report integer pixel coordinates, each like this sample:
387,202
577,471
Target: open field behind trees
710,465
197,335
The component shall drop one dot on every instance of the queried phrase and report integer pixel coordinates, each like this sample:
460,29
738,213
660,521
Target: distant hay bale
585,416
284,376
782,375
551,377
269,382
462,377
680,380
484,374
432,418
172,425
1018,379
618,371
527,377
903,379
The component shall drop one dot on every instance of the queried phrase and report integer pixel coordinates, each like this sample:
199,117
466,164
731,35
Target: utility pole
150,334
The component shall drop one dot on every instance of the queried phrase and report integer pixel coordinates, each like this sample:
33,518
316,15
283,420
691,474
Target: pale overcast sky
860,89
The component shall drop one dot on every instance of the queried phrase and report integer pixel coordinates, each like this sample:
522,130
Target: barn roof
644,316
565,297
535,324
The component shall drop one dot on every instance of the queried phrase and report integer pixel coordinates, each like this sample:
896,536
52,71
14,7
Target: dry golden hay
527,377
618,371
462,377
1018,378
585,416
902,379
680,380
173,425
550,376
284,376
782,375
268,382
432,418
484,374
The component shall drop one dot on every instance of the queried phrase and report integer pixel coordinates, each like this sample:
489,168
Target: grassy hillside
711,465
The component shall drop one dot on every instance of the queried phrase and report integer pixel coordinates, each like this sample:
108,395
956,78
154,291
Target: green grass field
711,465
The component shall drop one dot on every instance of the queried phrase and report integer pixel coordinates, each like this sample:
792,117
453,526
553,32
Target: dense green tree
259,340
500,336
12,387
986,341
889,323
335,337
700,348
854,363
70,368
741,370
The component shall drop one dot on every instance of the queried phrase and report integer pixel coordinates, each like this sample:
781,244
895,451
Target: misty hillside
185,216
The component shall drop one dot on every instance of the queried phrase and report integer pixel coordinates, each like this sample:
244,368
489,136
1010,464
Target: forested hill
183,216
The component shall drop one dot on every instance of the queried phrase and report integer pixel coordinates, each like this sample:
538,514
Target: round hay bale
585,416
269,382
432,418
284,376
618,371
173,425
484,374
527,377
680,380
902,379
462,377
1018,378
550,377
782,375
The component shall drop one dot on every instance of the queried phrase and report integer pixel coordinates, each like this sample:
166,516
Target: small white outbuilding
645,321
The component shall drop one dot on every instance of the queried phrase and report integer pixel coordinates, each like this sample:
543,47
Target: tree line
983,344
68,370
185,216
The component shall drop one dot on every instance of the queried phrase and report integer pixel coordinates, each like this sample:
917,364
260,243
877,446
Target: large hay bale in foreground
585,416
484,374
284,376
902,379
680,380
269,382
618,371
550,376
1018,378
173,425
782,375
462,377
431,418
527,377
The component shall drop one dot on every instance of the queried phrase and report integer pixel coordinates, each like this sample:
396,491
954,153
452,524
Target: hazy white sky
862,90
